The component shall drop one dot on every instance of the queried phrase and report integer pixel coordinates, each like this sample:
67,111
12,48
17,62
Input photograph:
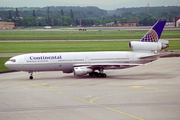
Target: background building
170,24
178,23
128,24
6,25
176,19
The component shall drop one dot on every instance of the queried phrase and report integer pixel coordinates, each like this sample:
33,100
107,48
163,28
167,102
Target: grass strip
81,35
78,46
2,62
30,47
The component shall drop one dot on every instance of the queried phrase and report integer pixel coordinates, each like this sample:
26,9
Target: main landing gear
100,74
97,74
31,75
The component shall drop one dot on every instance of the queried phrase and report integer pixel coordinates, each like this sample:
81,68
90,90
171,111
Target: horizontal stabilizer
153,56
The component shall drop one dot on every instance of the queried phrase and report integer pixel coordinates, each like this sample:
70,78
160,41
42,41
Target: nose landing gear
31,75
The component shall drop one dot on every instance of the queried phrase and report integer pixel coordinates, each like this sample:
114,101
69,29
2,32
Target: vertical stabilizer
154,34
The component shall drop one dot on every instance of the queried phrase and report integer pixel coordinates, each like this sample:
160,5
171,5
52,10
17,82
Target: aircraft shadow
147,76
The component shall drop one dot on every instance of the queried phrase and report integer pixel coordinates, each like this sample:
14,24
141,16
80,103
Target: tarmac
150,92
103,28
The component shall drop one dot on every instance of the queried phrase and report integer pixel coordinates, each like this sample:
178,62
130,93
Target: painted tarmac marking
102,97
84,100
27,88
53,87
115,95
124,113
135,86
88,96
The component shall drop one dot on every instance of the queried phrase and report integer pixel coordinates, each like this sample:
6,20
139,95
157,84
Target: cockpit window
12,60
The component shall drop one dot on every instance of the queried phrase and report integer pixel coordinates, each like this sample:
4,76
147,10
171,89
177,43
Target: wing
96,66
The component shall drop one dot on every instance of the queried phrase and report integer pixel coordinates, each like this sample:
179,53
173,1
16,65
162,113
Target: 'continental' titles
45,57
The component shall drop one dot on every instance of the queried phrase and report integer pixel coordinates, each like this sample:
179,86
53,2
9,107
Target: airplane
84,63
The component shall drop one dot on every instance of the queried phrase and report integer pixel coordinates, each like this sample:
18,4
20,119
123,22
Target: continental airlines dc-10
84,63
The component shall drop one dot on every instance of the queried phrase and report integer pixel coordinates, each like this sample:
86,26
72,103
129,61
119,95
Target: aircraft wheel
98,75
31,77
95,73
91,74
103,75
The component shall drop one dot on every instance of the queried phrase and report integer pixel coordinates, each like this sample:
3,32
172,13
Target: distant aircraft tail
154,34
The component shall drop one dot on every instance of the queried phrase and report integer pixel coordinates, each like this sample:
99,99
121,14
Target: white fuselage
67,60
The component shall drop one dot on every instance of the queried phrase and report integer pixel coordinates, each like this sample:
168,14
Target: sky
103,4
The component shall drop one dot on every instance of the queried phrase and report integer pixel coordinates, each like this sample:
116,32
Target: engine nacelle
165,43
79,71
145,46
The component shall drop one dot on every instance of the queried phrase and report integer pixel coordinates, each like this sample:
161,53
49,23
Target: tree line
141,15
86,16
63,18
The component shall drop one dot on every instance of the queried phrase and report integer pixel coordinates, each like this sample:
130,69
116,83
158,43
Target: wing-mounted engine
79,71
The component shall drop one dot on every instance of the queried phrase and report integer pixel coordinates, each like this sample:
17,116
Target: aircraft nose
13,63
10,63
7,64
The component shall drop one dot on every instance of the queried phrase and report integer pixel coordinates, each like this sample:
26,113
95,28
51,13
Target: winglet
154,34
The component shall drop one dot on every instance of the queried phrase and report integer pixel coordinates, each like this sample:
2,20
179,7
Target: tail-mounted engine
165,43
148,46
